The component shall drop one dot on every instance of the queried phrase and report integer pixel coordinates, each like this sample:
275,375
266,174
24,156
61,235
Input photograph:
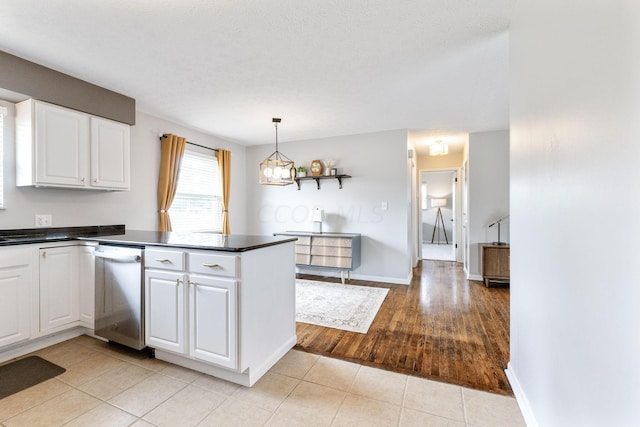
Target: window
197,206
3,112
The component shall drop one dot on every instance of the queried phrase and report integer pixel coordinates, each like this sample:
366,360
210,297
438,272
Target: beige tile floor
105,385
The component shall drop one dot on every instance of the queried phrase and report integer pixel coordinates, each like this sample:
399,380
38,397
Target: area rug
24,373
334,305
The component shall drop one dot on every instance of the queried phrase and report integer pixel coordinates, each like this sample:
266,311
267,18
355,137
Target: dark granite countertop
191,240
22,236
117,235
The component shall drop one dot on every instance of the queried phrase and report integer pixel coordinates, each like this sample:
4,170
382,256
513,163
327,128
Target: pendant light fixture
277,169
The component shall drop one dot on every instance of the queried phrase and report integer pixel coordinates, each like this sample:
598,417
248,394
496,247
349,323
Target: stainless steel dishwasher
119,300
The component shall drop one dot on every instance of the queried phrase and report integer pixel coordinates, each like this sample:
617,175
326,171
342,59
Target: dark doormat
24,373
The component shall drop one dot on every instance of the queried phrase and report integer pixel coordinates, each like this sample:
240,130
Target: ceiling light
438,148
277,169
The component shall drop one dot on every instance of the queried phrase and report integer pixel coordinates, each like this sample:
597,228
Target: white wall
575,168
135,208
488,187
378,164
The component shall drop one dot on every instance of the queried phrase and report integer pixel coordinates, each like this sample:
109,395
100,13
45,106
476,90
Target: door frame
457,209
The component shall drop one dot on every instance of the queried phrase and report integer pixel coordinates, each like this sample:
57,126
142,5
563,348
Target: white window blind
3,112
197,206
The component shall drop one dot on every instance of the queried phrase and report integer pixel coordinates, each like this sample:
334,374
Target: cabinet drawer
330,261
331,241
207,263
304,240
164,259
303,249
331,251
303,259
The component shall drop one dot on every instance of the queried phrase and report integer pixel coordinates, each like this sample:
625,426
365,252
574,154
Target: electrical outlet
384,206
43,220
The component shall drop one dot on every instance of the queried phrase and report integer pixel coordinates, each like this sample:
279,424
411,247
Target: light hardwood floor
442,327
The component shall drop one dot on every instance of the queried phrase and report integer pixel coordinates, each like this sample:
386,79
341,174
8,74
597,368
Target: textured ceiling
327,67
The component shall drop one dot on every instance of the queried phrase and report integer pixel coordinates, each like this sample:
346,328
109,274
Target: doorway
437,215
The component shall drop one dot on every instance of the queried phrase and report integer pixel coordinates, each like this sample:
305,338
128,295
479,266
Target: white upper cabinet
109,154
59,147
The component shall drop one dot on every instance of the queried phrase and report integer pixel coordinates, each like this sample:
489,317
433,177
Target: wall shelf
318,178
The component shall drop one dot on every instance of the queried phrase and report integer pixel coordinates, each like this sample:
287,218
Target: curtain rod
197,145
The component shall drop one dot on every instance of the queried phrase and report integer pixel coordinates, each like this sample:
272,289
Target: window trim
208,155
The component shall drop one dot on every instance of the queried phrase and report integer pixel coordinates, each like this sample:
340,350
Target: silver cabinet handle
164,260
211,265
44,254
178,281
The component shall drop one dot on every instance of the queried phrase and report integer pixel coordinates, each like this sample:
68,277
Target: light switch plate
43,220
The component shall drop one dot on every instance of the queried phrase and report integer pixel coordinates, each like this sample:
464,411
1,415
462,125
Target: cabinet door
59,293
15,280
212,315
496,261
110,155
62,144
164,310
86,281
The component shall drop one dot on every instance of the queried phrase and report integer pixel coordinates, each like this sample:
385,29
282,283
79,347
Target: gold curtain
224,163
172,150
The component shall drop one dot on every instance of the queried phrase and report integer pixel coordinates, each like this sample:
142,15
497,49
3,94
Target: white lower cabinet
165,310
59,287
86,282
181,306
15,284
212,317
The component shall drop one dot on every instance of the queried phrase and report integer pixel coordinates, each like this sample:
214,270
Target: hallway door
438,213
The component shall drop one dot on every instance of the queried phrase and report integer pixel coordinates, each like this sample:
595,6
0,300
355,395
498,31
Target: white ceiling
327,67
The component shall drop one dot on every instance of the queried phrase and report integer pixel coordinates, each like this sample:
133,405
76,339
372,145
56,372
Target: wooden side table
495,263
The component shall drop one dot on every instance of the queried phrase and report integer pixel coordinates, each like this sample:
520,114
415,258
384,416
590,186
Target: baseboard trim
259,371
521,398
26,347
475,277
336,274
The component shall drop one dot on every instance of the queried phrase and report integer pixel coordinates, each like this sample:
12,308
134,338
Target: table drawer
331,241
164,259
219,265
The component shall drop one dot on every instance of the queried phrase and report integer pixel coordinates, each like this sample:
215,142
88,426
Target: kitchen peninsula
222,305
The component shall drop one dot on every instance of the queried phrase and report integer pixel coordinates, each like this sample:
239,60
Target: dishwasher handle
116,257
